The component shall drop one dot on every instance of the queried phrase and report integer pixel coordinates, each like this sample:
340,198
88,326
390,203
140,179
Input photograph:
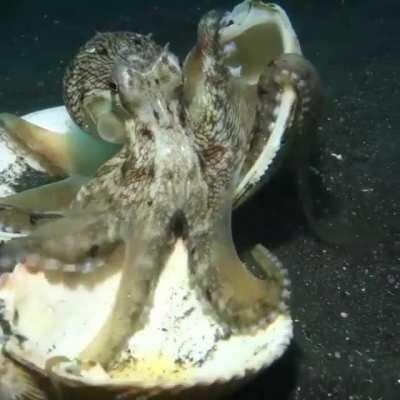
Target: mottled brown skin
90,72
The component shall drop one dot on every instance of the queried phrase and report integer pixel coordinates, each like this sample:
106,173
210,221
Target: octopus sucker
126,281
298,73
265,53
35,261
290,87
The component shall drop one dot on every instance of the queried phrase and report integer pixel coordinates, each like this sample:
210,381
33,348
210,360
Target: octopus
190,143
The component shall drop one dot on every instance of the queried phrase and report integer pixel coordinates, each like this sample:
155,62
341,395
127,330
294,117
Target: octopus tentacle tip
246,296
295,71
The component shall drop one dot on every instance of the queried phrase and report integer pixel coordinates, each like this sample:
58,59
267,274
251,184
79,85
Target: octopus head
148,88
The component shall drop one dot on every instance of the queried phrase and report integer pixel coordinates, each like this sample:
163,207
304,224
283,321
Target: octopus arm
296,72
59,154
292,70
21,213
289,105
146,250
243,295
16,221
79,242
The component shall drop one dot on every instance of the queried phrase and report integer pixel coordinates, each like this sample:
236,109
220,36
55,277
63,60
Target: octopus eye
101,50
113,87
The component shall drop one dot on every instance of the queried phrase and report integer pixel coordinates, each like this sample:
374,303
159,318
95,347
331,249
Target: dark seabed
346,288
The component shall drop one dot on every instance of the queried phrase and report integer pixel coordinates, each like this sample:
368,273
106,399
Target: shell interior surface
256,34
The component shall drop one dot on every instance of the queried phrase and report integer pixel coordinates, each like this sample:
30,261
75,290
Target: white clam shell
179,346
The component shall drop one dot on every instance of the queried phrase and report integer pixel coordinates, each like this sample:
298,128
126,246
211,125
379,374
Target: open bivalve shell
255,35
48,320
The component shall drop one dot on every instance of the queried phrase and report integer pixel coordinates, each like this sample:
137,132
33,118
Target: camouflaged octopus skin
88,82
173,177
